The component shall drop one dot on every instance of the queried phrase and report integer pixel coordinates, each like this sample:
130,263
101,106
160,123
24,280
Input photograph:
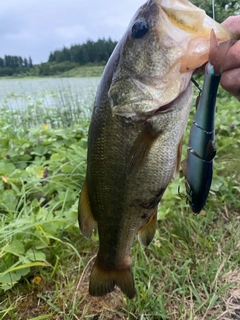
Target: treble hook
181,194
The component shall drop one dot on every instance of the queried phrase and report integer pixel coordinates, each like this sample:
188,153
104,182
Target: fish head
164,43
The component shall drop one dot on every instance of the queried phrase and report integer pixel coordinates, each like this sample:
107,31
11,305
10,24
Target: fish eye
140,28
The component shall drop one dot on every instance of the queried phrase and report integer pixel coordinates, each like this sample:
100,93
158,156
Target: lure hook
181,194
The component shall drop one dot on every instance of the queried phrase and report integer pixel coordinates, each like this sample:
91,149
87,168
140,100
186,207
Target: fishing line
213,9
196,84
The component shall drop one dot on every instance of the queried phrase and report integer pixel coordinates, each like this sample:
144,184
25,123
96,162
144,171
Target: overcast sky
37,27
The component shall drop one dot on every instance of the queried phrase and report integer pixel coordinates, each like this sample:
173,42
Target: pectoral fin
86,221
146,234
140,148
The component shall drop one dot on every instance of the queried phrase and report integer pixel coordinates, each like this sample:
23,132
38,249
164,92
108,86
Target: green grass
84,71
190,271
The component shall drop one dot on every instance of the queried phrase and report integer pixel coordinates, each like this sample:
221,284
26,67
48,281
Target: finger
230,81
232,59
233,24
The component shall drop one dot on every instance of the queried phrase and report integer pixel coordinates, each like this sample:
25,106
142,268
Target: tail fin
103,281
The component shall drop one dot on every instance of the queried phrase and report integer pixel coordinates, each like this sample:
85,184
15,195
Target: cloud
37,27
72,32
11,23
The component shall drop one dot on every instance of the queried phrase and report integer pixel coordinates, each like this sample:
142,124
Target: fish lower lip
162,109
143,115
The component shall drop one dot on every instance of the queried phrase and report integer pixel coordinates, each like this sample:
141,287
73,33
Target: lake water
55,101
46,92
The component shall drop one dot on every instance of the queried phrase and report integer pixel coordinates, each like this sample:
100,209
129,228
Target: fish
136,130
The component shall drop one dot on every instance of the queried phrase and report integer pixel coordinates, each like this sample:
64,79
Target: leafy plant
41,169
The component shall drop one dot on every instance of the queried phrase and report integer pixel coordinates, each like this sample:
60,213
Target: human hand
230,79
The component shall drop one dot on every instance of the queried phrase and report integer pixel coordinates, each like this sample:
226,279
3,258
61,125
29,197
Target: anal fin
146,234
103,281
86,221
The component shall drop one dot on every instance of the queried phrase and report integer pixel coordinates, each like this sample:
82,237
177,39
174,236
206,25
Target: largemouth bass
135,135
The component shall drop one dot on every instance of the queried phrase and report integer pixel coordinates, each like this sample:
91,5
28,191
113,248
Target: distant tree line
10,65
59,61
90,52
86,54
